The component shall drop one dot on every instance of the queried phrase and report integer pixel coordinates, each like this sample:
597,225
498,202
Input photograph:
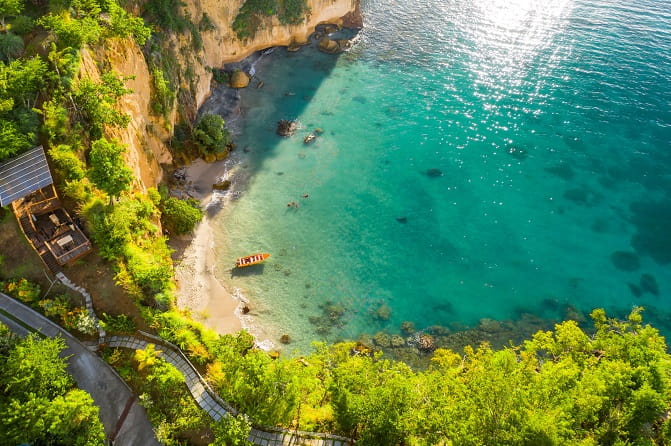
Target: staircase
49,260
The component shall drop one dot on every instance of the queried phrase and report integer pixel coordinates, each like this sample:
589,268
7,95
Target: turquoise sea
479,159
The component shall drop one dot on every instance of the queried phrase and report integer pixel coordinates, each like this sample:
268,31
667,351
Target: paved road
124,420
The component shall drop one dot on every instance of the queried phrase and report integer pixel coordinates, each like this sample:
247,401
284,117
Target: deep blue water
480,159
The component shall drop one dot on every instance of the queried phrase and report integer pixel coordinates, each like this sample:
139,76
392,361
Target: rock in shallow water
433,173
286,127
649,284
625,261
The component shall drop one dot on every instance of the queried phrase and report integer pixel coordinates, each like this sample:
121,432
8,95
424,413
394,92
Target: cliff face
221,45
147,135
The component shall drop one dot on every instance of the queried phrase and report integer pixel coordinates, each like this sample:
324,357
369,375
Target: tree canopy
108,169
38,401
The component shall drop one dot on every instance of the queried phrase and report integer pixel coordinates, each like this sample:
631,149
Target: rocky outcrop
286,127
221,45
147,135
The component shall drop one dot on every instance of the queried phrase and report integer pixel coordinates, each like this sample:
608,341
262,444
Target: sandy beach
199,290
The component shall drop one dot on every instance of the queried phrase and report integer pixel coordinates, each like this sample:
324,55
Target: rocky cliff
146,136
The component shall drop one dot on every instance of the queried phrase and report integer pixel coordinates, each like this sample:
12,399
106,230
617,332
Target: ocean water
479,159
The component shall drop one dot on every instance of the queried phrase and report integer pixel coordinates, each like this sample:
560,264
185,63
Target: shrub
11,46
80,320
67,162
22,289
120,324
163,98
180,216
210,134
166,14
22,25
58,306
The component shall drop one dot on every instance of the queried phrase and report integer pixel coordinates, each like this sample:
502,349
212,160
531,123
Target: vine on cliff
251,14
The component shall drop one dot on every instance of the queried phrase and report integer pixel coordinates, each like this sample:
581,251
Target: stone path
215,406
118,408
87,297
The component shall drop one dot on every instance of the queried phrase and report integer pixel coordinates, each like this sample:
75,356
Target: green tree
210,134
12,140
108,169
11,46
24,80
123,24
9,8
371,399
179,216
232,431
95,103
34,366
71,32
37,400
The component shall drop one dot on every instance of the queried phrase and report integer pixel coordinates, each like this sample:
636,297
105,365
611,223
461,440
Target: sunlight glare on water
479,159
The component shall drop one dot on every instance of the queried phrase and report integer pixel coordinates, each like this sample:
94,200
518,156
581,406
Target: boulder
383,313
239,79
407,327
329,46
330,28
425,343
222,185
293,46
286,127
397,341
382,339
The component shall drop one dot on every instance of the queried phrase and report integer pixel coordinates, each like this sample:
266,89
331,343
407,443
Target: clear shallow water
479,159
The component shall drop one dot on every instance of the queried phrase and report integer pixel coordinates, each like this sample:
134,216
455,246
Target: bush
11,46
22,289
163,98
119,324
180,216
166,14
210,135
67,162
22,25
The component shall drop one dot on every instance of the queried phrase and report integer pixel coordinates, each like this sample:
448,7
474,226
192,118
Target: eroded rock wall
147,134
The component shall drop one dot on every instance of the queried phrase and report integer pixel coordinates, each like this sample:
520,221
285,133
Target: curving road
125,421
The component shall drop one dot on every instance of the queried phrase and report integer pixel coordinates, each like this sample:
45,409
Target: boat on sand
250,260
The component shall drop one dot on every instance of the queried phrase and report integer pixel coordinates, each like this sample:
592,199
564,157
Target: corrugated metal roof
23,174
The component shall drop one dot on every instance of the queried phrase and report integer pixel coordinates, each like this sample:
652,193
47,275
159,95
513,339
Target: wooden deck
47,225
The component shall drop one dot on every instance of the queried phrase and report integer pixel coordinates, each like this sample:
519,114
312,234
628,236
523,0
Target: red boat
251,260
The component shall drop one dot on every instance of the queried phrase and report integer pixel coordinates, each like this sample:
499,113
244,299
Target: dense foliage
38,401
252,13
561,387
210,135
180,216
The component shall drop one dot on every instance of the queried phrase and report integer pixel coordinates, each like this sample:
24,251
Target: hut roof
23,174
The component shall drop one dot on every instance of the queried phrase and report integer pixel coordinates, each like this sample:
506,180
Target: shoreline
199,289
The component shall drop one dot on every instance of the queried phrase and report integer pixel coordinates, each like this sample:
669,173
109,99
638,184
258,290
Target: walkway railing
209,401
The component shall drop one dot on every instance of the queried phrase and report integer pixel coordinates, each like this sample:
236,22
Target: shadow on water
309,68
253,270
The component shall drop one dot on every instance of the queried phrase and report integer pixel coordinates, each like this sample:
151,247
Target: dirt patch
17,257
19,260
96,275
